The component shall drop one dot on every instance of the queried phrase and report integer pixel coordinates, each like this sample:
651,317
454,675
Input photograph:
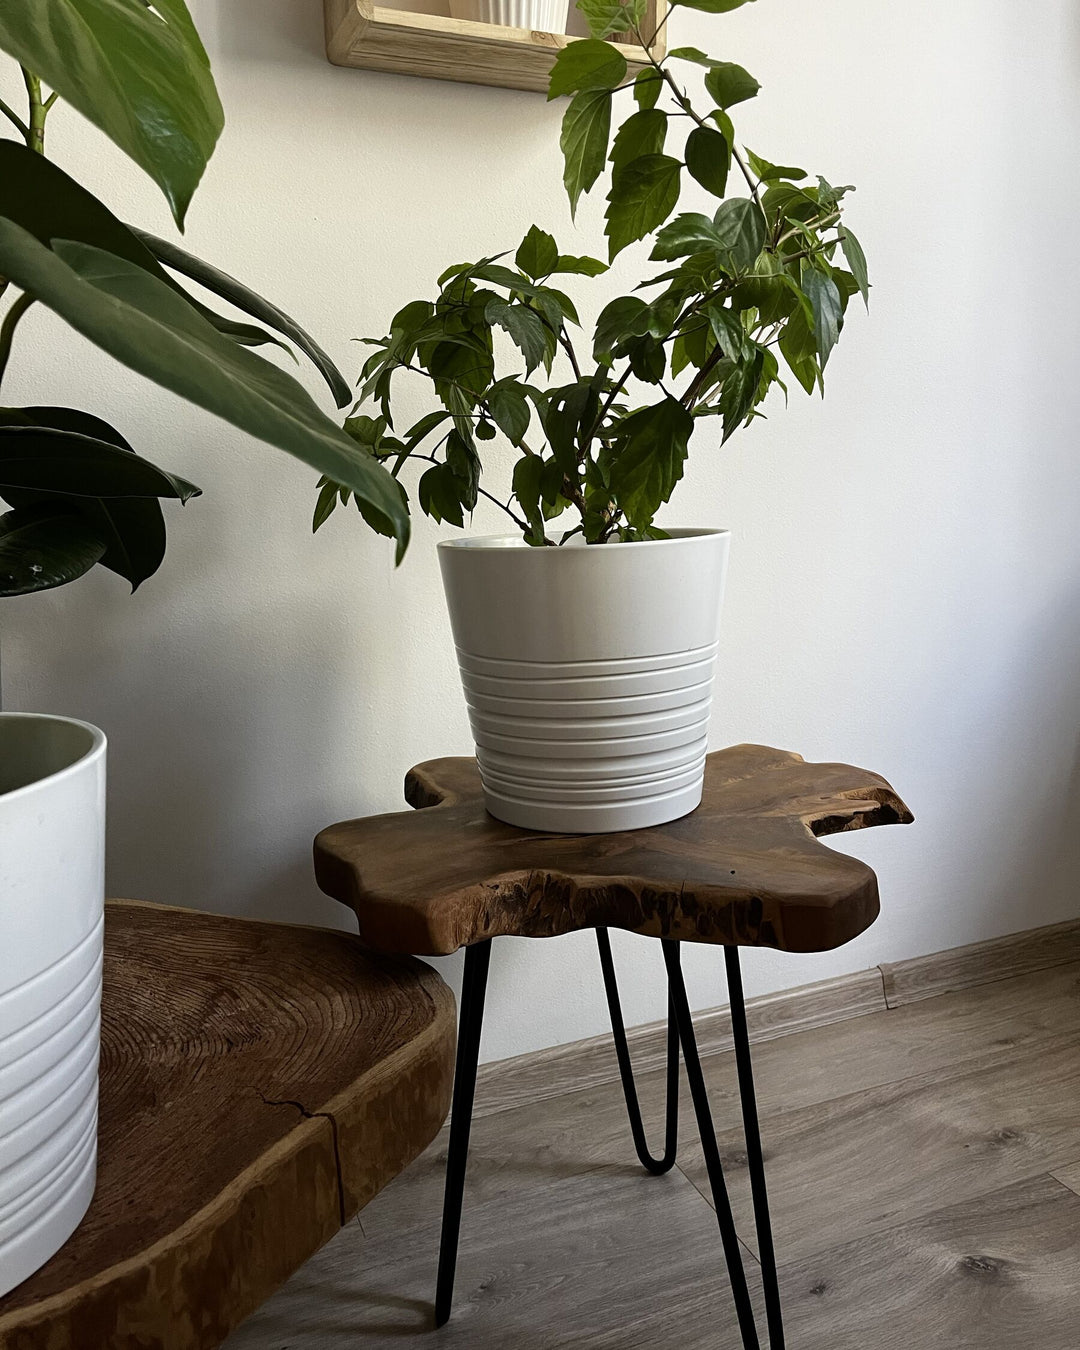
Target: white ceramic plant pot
541,16
52,851
588,674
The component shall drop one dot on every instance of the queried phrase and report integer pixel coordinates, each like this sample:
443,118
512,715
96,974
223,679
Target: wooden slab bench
260,1083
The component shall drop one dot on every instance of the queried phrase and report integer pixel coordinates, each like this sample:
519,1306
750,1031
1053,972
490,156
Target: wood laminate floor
924,1169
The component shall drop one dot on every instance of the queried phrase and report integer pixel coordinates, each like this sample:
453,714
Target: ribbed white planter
588,674
541,16
52,854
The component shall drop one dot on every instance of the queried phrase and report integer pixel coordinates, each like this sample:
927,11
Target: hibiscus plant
728,299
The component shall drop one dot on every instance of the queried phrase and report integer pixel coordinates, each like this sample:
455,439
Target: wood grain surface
259,1084
744,868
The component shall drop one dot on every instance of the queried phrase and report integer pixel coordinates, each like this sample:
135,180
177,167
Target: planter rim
95,750
486,542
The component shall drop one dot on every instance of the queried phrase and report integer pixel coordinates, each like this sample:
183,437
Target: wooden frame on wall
371,36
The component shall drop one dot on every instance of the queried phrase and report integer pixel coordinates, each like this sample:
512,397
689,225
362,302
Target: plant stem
16,121
35,133
7,328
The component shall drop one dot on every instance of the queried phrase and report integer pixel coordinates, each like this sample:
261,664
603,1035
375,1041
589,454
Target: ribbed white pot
588,674
541,16
52,879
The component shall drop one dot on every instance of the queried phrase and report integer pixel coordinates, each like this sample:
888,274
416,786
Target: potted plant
78,496
587,648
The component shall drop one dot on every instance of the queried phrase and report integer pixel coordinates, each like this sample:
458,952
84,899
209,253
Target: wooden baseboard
507,1083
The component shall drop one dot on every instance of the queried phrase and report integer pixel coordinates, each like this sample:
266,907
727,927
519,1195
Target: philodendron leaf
825,302
586,64
708,157
586,128
236,293
642,197
48,459
45,546
729,84
138,72
651,447
145,325
133,527
605,17
538,255
856,260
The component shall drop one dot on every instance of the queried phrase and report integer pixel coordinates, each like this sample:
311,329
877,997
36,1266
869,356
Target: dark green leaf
710,6
642,133
740,227
856,260
538,255
485,430
527,475
48,459
647,86
688,233
648,359
465,462
426,425
439,495
138,73
651,448
739,392
772,172
824,299
799,350
585,267
236,293
626,316
586,127
586,64
510,411
729,84
45,546
708,158
642,197
325,504
605,17
145,325
525,327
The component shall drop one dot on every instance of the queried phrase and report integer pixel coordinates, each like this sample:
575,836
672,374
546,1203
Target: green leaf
856,260
642,197
133,527
729,84
51,460
145,325
509,410
526,329
586,127
772,172
739,392
325,504
708,158
528,472
586,64
710,6
651,447
605,17
626,316
45,546
642,133
824,299
236,293
688,233
138,73
462,458
439,494
798,349
585,267
740,228
538,255
647,85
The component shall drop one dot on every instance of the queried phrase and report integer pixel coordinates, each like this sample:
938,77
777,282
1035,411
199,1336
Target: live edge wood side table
744,870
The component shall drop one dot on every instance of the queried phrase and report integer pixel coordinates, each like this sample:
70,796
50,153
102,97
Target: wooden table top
745,868
259,1084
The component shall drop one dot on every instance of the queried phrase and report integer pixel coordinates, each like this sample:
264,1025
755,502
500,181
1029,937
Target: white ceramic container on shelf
52,879
588,674
540,16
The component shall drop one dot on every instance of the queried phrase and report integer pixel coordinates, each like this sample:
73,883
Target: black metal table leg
732,1250
474,985
755,1158
658,1166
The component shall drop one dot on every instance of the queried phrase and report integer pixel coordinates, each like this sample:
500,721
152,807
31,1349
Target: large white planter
542,16
52,851
588,674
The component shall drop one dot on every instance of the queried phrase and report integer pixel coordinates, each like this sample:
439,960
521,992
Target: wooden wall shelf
371,36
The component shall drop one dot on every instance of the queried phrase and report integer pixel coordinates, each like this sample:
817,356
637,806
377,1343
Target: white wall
904,587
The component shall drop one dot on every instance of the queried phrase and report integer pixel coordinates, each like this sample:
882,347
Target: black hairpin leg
470,1025
755,1158
626,1070
732,1251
